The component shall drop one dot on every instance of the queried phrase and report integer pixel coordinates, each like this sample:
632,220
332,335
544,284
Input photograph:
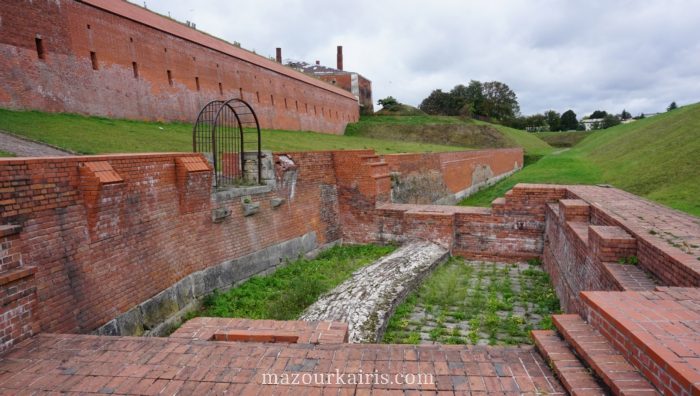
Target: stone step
572,373
607,362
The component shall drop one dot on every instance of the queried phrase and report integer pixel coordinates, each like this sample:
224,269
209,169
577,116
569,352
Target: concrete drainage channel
367,300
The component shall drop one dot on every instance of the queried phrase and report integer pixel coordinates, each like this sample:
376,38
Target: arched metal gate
228,132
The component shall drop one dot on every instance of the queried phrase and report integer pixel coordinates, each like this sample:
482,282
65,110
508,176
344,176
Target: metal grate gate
228,132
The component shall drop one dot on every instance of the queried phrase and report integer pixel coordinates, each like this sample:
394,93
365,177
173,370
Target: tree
500,102
553,120
437,103
569,121
609,121
598,114
389,103
672,106
535,122
625,115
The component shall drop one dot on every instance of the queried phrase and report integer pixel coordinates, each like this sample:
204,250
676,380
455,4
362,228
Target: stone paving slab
369,297
88,364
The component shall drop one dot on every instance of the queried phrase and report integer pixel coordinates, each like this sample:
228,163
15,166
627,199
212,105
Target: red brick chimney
278,57
340,58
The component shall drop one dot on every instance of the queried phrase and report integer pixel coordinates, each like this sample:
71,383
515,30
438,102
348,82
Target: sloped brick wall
112,58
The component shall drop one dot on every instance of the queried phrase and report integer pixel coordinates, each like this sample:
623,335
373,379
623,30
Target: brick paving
648,219
131,365
27,148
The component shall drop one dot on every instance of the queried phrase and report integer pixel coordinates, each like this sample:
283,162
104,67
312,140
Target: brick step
572,373
607,362
656,331
498,205
630,277
368,159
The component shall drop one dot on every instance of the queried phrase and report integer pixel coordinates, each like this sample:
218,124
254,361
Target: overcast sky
586,55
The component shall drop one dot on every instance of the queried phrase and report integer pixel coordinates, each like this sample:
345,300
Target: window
285,103
135,66
221,89
88,26
93,59
240,93
257,95
272,100
170,78
131,39
196,81
40,48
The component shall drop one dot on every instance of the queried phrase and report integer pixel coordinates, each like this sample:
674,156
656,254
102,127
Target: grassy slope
655,157
563,139
437,129
530,143
92,135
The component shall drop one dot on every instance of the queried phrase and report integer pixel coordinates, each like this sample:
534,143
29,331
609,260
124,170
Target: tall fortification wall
115,59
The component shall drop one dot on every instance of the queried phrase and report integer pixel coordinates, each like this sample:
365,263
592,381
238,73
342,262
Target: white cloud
560,54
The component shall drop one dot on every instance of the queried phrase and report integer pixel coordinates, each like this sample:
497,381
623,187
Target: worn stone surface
27,148
367,300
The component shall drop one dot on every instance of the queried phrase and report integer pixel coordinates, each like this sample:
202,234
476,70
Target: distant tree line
492,100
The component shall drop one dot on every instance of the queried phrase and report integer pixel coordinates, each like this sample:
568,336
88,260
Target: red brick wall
457,168
65,80
108,232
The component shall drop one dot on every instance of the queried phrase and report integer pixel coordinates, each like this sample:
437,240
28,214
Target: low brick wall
445,178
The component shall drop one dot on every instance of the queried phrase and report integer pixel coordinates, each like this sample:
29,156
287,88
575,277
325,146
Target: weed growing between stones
284,294
476,303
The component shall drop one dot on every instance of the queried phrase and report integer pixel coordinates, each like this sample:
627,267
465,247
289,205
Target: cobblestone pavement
84,364
474,302
26,148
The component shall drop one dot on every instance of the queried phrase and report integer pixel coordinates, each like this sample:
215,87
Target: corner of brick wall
18,297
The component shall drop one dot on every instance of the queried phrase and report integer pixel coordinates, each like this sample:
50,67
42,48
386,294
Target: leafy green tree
500,102
609,121
553,120
599,114
389,103
625,115
536,122
437,103
569,121
672,106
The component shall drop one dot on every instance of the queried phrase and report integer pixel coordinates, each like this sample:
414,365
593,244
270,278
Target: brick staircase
635,343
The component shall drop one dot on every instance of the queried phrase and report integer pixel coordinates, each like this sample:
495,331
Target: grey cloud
638,55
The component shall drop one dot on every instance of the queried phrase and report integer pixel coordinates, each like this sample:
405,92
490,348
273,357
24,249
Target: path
27,148
367,300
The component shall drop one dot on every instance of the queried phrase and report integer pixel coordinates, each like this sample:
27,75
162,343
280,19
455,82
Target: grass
284,294
656,158
6,154
475,303
446,130
97,135
563,139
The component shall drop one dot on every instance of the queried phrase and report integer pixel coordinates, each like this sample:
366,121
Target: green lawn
657,158
284,294
96,135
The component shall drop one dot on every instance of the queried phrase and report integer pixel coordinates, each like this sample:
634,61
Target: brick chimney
340,58
318,62
278,56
